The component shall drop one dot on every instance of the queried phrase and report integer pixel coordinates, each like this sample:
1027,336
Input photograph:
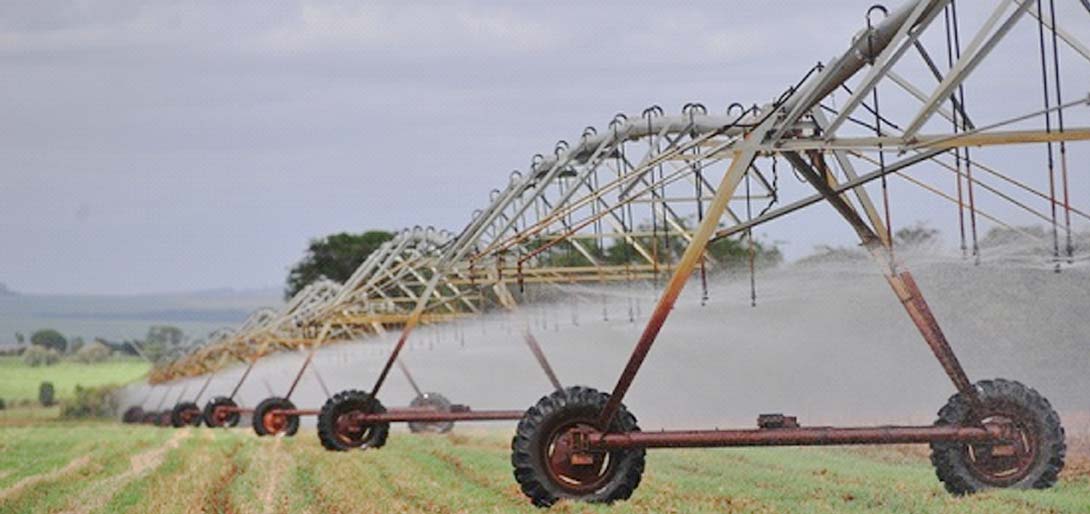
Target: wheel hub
188,415
219,415
1008,460
274,421
348,429
571,465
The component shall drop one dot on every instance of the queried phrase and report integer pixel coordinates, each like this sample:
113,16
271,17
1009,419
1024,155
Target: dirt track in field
96,496
73,466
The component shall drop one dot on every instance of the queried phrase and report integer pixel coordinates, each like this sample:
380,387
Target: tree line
48,346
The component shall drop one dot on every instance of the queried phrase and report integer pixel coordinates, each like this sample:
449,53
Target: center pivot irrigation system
668,190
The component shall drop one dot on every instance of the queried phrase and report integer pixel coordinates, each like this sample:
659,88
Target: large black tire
185,413
338,434
267,422
1031,460
134,414
434,401
612,475
214,418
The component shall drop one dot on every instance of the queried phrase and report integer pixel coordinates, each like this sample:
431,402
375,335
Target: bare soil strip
73,466
278,464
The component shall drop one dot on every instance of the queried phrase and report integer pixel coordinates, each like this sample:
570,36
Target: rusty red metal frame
800,436
903,285
425,414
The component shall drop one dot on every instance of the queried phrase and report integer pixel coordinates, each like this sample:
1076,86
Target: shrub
2,404
91,402
38,356
91,353
46,394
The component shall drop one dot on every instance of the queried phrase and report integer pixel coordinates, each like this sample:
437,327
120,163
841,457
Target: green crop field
107,467
19,381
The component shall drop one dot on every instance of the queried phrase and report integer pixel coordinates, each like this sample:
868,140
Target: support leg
902,282
204,387
542,361
409,376
242,379
739,164
321,382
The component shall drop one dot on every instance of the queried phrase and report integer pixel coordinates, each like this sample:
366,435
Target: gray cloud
209,141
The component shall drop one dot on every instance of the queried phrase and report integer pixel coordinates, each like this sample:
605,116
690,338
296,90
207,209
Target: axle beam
808,436
431,416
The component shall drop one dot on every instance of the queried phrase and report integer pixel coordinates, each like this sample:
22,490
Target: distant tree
825,254
49,339
125,347
730,253
92,353
165,334
734,253
74,345
334,257
40,356
1002,236
916,236
46,394
161,341
20,338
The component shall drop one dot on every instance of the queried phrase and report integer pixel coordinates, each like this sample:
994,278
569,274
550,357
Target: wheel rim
587,473
190,415
1004,463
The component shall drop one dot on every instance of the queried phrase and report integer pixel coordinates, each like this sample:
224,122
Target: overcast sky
169,146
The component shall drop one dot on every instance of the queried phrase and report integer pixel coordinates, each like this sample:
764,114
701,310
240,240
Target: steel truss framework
658,188
652,182
664,186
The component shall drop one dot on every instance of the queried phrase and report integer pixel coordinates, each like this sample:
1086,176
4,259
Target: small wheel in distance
149,418
185,413
269,419
218,413
133,414
338,430
1030,459
436,402
542,452
163,419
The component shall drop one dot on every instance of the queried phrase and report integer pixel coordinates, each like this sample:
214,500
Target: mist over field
829,343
